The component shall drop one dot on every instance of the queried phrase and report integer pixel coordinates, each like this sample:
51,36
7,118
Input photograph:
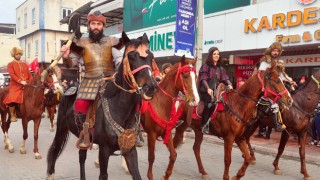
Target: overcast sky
8,10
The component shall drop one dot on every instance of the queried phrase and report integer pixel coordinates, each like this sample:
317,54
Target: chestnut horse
52,97
31,109
159,115
231,123
119,100
298,119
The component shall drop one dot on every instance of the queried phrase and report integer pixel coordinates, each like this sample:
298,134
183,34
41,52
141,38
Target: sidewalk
270,146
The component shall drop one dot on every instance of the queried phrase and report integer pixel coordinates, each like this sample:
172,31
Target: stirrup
84,138
205,129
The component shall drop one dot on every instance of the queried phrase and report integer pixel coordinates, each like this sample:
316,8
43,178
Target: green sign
140,14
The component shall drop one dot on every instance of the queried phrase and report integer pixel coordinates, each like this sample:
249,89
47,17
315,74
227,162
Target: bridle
184,69
276,93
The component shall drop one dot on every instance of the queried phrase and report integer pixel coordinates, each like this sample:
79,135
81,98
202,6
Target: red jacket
18,71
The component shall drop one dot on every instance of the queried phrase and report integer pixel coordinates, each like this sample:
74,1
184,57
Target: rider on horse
96,53
272,55
210,75
20,76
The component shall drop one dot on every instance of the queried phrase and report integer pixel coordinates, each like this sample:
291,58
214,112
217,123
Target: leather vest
97,57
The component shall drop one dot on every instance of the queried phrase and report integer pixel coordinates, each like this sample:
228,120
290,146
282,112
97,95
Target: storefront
243,33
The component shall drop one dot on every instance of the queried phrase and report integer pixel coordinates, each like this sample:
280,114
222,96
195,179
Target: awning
111,9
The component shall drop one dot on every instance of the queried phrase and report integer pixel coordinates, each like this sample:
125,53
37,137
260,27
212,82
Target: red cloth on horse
82,106
18,71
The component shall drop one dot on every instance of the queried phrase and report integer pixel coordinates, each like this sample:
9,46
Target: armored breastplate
97,57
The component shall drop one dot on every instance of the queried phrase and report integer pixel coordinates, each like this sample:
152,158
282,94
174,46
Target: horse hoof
277,172
23,151
97,164
37,156
205,177
253,162
235,178
307,178
50,177
6,146
11,150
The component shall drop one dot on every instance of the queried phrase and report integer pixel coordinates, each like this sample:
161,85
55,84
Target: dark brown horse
53,94
159,115
31,109
298,119
231,123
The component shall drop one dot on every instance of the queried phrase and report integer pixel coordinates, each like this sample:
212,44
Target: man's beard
274,56
95,37
18,59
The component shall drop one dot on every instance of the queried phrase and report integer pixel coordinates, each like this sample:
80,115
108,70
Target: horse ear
183,60
145,38
124,37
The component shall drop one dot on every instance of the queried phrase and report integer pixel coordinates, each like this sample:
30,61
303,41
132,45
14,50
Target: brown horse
298,119
159,115
231,123
31,109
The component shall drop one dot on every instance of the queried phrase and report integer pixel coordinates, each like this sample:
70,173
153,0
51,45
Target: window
66,12
33,16
25,20
36,45
29,49
18,25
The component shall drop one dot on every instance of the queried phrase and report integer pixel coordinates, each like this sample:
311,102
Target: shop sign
305,60
306,2
282,20
161,41
244,71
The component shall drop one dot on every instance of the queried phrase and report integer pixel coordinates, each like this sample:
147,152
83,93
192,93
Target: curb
262,149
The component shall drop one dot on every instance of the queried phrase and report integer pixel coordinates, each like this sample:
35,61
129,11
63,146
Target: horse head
136,67
274,88
184,75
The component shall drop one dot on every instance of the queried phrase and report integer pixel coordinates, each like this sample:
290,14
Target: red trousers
81,106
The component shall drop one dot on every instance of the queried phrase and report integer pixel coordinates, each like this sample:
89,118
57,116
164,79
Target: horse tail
61,136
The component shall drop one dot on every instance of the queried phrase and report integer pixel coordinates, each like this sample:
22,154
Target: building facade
38,28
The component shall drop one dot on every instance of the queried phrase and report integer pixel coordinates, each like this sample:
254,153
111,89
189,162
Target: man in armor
272,55
95,51
20,76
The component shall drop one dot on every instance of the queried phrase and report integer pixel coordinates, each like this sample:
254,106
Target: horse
31,109
52,100
235,112
298,119
116,113
159,115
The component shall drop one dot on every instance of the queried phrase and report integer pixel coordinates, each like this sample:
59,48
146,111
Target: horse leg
246,156
132,163
302,152
151,155
227,156
49,111
82,160
283,142
25,136
36,123
172,158
104,154
179,135
7,143
252,130
197,148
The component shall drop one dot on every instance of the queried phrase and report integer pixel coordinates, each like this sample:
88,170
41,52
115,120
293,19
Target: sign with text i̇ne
185,28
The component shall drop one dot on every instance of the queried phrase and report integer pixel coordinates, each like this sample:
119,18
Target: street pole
199,36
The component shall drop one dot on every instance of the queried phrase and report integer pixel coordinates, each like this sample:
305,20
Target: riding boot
205,118
261,131
12,114
268,132
84,136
